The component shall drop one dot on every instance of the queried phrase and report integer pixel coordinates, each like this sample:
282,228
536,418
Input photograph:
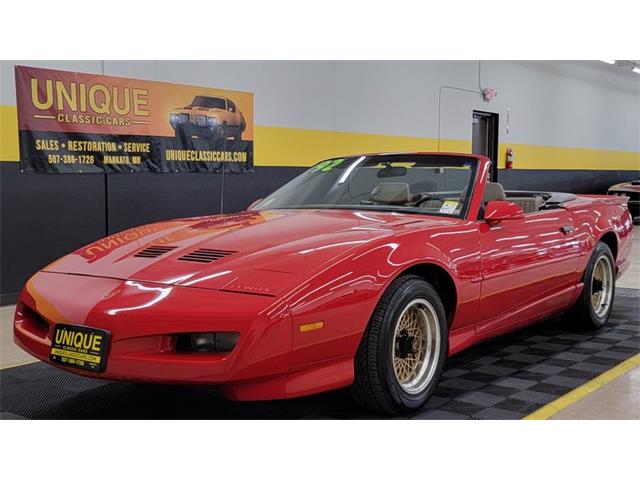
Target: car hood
261,253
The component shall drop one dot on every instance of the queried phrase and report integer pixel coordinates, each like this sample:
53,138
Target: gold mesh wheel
416,346
602,286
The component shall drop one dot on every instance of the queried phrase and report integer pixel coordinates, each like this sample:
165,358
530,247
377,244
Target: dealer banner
84,123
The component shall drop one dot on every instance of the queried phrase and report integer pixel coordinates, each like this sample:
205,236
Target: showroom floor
543,371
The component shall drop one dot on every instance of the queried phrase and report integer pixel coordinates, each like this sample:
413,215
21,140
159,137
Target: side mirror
254,203
499,210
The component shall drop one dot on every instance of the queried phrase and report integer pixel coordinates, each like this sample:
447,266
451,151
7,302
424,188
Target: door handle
567,229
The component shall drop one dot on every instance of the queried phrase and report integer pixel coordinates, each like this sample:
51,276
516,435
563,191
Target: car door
528,268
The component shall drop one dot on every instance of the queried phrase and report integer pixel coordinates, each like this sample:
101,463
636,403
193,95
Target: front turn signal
307,327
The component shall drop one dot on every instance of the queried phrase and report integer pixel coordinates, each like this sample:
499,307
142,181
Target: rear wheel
593,308
400,358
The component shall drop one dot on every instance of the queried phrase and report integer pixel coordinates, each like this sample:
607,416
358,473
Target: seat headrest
493,191
391,193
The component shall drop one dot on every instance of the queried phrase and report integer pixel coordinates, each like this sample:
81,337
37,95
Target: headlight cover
221,342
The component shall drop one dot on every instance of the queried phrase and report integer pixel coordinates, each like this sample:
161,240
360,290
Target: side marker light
307,327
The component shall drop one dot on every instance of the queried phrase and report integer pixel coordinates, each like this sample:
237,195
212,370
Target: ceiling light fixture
610,62
636,69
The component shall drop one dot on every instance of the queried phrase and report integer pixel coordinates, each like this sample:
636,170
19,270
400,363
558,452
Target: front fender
343,296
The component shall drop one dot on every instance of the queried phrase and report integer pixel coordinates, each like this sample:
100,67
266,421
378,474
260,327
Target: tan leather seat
391,193
528,204
493,191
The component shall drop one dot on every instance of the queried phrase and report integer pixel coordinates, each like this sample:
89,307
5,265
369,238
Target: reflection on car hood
254,252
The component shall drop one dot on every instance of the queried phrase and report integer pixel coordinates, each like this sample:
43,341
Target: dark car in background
632,190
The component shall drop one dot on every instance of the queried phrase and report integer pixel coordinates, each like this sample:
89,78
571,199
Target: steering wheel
429,196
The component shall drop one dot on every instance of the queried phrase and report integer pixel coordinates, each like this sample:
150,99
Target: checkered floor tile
506,378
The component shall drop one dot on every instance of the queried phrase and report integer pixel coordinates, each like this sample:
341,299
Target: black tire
376,386
582,315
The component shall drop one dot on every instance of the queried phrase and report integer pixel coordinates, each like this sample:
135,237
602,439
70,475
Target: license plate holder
80,347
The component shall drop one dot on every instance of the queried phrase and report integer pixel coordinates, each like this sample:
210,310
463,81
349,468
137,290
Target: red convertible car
364,271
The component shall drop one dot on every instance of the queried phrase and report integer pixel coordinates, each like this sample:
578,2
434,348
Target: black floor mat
506,378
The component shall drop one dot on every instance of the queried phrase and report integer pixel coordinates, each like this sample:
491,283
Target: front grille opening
154,251
33,321
206,342
205,255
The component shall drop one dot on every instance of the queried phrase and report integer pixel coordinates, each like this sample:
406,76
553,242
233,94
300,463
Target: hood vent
154,251
205,255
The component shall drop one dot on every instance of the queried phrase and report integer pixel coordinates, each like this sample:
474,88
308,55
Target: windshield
209,102
430,184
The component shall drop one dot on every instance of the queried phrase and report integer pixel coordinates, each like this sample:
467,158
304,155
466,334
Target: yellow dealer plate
80,347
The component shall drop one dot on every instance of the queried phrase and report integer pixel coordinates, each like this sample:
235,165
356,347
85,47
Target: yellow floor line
582,391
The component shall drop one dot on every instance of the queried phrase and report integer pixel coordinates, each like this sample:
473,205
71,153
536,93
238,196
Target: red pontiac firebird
364,271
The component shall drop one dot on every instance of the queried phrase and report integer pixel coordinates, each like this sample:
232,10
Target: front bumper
144,318
197,130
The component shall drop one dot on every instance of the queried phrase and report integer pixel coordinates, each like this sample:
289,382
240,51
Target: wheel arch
611,240
441,280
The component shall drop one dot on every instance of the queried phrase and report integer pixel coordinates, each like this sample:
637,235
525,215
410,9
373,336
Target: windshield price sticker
449,206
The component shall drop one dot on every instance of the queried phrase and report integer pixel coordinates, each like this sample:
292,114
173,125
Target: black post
106,186
222,191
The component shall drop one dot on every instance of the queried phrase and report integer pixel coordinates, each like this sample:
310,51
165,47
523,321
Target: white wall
565,104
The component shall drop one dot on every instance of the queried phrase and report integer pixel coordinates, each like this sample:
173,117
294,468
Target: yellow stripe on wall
277,146
540,157
296,147
9,134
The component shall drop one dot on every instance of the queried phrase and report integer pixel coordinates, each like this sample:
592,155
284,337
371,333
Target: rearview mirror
499,210
388,171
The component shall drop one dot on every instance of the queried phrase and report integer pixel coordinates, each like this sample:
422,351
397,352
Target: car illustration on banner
365,271
212,118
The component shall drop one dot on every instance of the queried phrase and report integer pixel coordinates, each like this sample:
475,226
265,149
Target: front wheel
593,307
400,358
